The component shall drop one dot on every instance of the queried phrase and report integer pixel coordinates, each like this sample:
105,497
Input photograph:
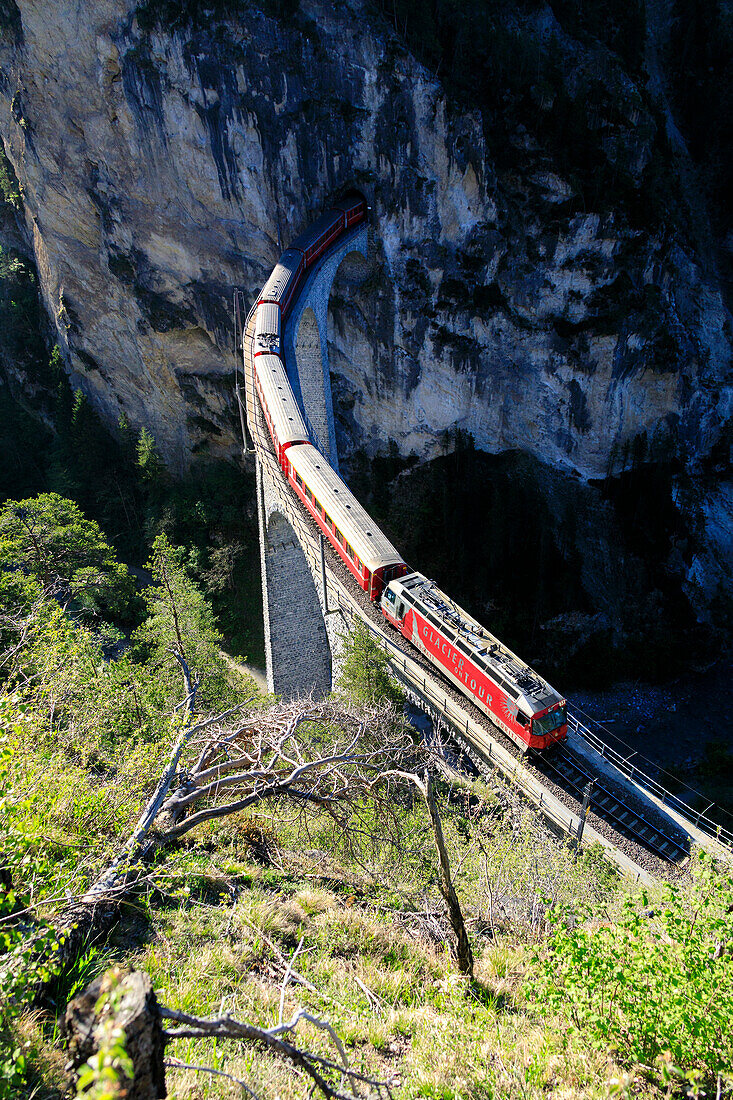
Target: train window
390,595
548,722
308,494
357,563
522,719
299,480
463,647
329,521
349,550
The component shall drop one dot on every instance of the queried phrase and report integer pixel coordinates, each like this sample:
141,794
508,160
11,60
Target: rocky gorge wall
545,274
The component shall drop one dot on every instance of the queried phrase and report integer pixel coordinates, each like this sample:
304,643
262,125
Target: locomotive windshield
550,722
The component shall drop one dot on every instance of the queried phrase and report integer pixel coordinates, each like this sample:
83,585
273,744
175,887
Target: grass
420,1026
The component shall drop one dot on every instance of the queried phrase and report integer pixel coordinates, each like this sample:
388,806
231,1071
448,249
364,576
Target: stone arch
297,648
307,369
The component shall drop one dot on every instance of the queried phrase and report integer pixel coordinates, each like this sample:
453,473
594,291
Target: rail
623,764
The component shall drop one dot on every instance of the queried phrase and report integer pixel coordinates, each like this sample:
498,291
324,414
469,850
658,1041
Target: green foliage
24,443
9,187
98,471
49,539
120,480
365,675
20,314
657,985
181,625
149,462
211,513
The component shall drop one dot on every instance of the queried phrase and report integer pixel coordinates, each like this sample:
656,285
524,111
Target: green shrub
657,985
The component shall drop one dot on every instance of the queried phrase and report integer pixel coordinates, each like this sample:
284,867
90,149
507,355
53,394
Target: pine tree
365,676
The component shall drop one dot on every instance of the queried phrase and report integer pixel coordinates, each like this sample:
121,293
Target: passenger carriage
284,420
267,329
316,239
365,550
282,284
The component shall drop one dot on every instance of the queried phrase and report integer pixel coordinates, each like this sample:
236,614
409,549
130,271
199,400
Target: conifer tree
365,675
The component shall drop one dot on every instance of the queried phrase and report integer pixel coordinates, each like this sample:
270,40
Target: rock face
580,321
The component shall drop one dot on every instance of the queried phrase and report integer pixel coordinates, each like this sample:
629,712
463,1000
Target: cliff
547,272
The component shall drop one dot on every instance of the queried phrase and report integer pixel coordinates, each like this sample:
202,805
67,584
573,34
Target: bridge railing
631,771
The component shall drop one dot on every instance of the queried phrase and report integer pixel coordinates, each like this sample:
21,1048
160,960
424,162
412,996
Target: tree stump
127,1002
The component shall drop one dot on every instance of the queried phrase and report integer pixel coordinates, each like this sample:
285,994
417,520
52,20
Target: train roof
284,413
317,229
284,270
505,668
334,495
350,202
267,326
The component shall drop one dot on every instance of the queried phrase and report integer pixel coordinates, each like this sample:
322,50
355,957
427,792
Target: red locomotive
515,698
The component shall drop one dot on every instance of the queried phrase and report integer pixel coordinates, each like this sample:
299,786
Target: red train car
363,548
282,414
515,698
354,207
283,283
317,238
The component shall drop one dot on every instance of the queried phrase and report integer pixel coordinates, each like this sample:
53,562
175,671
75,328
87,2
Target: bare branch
288,972
265,760
226,1027
173,1063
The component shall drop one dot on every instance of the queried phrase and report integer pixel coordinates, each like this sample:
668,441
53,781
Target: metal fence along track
631,771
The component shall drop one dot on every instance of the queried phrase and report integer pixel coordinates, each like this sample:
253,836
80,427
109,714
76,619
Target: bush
657,985
49,539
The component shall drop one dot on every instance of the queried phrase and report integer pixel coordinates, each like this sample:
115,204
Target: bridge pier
297,650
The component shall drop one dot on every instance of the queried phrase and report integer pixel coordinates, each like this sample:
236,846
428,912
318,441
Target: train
514,697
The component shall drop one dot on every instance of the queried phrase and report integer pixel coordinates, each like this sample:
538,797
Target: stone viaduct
308,609
296,618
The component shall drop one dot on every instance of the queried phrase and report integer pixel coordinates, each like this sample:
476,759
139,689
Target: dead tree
464,954
124,1009
264,757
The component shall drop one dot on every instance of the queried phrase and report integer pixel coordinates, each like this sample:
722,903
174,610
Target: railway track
575,772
